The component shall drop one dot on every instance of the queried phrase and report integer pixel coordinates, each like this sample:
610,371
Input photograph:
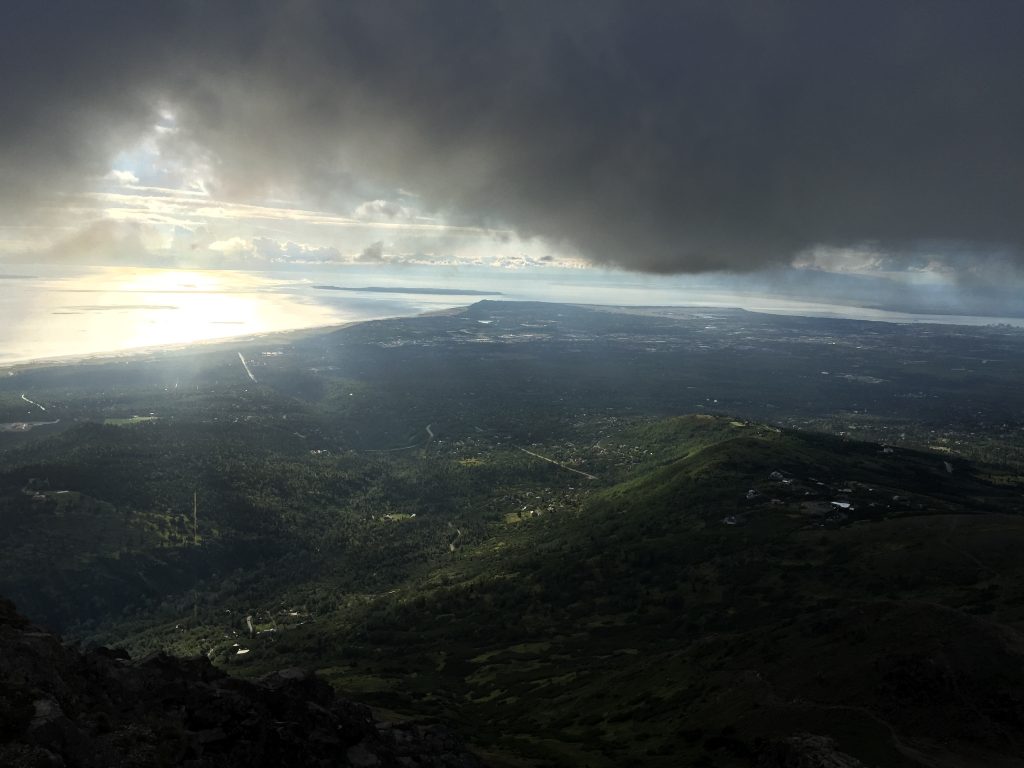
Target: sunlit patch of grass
129,421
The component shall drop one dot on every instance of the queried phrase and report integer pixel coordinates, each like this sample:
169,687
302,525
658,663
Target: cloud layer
655,136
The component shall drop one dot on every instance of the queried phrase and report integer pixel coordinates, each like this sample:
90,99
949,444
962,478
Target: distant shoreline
200,345
411,291
229,343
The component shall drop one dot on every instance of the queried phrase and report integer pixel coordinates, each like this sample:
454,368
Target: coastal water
50,312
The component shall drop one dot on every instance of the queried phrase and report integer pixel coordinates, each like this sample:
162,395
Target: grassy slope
645,631
633,626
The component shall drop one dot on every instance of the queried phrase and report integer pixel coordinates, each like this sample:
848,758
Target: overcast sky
867,137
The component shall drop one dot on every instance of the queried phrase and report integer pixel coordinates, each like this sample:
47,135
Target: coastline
202,345
229,343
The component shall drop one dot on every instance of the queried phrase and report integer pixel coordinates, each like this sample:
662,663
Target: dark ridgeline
60,706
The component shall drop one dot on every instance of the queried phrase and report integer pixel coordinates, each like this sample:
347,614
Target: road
559,464
247,370
32,402
391,450
453,544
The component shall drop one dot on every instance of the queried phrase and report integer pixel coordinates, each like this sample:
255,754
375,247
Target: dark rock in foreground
63,707
805,751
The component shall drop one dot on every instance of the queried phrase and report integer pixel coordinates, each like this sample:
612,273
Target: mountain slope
726,593
674,618
62,707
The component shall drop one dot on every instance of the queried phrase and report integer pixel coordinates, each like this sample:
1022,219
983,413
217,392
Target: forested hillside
497,534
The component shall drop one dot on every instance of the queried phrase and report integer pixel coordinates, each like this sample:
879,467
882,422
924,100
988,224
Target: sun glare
114,309
180,307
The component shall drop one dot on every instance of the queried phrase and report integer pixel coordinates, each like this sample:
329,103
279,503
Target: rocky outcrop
805,750
63,707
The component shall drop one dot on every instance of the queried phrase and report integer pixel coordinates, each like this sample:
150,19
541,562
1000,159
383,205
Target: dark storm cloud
657,136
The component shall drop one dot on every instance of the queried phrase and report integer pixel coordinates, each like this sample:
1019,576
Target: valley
578,535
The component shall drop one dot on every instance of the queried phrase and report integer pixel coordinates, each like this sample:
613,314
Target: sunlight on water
91,311
113,309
